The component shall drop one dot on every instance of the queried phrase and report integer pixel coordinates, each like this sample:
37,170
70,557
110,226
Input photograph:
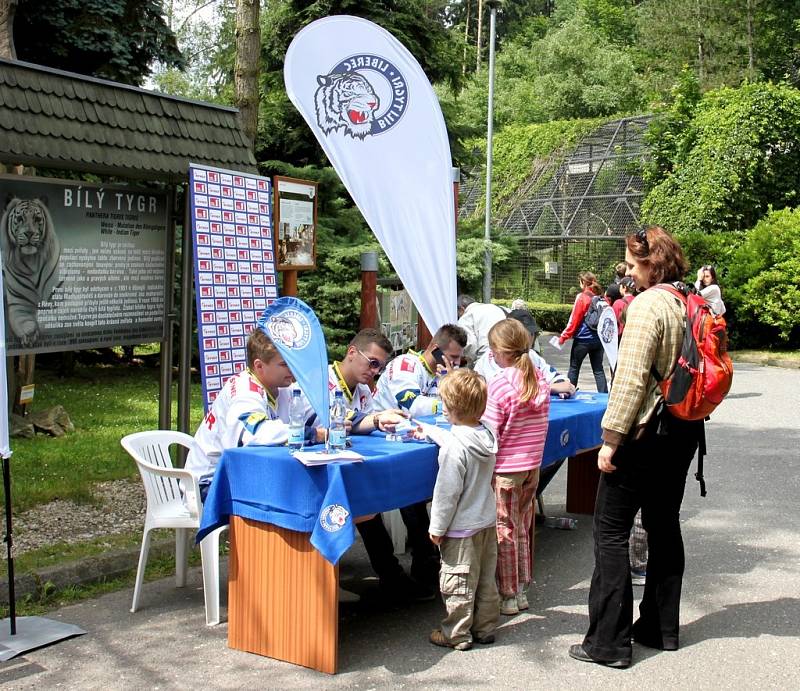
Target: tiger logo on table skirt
31,252
345,100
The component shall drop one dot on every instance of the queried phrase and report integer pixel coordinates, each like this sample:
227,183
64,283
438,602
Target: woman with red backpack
585,339
644,461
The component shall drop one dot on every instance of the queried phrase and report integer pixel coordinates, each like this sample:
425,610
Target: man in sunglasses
354,376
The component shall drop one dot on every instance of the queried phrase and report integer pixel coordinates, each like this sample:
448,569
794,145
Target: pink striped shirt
521,427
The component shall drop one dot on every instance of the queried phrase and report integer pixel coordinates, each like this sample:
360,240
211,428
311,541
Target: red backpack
703,373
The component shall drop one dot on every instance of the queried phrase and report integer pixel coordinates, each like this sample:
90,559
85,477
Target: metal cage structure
572,214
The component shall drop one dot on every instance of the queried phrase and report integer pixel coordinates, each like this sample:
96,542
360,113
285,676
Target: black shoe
578,653
654,641
405,589
488,639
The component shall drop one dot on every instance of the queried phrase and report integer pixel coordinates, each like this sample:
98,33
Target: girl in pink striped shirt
517,409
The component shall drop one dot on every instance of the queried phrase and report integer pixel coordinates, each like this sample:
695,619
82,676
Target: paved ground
741,606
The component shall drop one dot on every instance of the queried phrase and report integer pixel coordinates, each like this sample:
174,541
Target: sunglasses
641,236
374,363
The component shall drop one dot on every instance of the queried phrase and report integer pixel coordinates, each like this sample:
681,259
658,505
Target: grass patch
767,356
105,403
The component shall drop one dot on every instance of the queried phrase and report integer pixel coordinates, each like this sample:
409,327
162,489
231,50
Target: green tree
112,39
764,275
737,158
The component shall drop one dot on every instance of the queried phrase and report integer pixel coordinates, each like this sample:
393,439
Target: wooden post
369,290
24,377
289,286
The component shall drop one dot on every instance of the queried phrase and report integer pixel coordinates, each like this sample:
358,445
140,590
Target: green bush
764,276
549,317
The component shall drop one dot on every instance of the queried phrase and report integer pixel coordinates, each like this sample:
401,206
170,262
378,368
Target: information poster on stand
296,221
234,267
84,265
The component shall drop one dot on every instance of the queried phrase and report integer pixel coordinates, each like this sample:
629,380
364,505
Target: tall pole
487,234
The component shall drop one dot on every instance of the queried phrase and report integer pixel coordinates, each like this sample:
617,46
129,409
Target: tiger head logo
345,100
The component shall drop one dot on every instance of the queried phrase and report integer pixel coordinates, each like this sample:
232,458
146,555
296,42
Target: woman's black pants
651,474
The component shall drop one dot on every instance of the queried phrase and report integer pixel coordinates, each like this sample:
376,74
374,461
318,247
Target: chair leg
181,555
209,553
140,570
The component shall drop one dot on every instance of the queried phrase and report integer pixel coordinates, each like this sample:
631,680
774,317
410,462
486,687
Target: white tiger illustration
345,100
31,252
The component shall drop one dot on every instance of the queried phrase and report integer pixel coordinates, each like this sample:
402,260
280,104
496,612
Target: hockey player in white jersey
252,408
409,382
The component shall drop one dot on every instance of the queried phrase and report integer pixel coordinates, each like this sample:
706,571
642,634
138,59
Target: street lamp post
487,234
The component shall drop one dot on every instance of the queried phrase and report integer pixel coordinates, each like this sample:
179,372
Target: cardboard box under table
290,524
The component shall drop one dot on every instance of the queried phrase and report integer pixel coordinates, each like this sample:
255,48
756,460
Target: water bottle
297,426
337,432
561,522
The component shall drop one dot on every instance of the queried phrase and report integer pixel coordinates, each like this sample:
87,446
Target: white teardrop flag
378,120
607,330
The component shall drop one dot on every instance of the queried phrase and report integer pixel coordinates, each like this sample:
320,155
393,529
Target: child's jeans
467,582
515,493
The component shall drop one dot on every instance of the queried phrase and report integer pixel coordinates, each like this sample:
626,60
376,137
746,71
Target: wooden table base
582,478
282,596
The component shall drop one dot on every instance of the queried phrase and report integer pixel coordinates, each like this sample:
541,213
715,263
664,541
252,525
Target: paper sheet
322,458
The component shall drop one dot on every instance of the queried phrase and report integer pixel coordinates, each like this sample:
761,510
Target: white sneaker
522,601
508,606
346,597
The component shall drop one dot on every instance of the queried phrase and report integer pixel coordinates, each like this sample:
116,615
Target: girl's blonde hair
511,338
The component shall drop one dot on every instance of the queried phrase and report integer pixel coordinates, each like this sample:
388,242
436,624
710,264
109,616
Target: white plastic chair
168,508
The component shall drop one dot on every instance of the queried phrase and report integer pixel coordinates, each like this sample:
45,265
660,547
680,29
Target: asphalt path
740,611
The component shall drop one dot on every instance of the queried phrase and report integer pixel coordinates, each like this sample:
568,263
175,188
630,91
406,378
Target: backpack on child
596,307
703,373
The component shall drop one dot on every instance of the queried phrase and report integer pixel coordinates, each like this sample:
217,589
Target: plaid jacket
654,328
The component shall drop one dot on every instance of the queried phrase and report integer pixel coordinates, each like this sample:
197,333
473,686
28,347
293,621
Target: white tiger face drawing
31,252
345,100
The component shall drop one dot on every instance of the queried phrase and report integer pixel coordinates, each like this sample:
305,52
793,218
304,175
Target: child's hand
436,539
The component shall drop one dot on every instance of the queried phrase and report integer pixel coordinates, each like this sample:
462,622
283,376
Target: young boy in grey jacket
463,514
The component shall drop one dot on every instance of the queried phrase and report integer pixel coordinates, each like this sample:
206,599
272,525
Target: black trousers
594,349
651,474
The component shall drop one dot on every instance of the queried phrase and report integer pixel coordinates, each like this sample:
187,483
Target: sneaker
509,606
438,638
346,597
522,601
638,577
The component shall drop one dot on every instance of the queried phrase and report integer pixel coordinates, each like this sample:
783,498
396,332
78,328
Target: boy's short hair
259,347
464,393
367,337
450,332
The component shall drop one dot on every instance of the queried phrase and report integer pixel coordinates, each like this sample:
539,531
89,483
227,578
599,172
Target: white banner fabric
607,330
5,449
375,115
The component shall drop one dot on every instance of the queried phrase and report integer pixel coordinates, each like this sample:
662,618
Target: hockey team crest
333,517
291,328
363,95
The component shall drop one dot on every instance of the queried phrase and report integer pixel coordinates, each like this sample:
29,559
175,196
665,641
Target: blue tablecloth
267,484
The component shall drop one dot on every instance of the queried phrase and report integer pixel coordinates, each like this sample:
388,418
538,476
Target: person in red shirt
585,340
628,290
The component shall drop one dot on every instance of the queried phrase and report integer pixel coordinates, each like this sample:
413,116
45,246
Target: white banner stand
27,633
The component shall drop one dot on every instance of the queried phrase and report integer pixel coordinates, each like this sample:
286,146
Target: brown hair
366,337
656,248
259,347
450,332
511,338
589,280
464,393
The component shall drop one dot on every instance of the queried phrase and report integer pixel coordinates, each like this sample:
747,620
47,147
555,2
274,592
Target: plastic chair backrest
150,450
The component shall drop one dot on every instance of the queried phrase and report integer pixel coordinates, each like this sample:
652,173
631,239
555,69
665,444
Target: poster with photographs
296,222
398,319
234,267
84,265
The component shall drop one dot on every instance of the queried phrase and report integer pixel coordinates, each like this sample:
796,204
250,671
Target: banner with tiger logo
378,120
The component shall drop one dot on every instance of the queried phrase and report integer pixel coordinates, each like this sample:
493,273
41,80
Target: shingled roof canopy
55,119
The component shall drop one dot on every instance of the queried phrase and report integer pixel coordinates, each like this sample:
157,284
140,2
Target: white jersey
359,400
409,384
477,319
487,367
243,413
